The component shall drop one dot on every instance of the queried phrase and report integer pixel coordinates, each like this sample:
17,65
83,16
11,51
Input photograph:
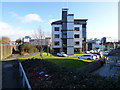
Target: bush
27,48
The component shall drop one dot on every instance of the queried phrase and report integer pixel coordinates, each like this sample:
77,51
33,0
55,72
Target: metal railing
24,78
112,59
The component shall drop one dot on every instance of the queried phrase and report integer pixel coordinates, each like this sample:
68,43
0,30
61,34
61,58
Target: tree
19,41
51,43
27,48
48,44
39,36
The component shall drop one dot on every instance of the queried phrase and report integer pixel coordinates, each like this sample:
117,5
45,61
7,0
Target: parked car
62,54
87,57
106,53
87,51
97,56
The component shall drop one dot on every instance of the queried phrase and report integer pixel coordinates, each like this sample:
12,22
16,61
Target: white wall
70,18
70,50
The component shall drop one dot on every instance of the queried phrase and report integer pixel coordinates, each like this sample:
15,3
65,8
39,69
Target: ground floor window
77,50
56,43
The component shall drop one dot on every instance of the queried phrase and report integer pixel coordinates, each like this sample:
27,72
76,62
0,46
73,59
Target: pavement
10,76
10,73
109,70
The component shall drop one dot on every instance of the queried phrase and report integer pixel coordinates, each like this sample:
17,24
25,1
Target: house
94,44
26,39
68,33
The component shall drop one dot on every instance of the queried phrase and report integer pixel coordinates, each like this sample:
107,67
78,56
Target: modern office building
68,33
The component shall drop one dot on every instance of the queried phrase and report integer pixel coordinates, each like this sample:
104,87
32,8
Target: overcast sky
23,18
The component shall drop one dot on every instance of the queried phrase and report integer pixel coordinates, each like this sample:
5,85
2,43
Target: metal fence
112,59
24,77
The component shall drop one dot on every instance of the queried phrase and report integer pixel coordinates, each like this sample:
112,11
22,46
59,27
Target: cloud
13,32
30,18
27,18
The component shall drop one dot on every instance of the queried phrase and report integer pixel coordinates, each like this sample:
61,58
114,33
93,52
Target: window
76,36
56,28
76,43
76,50
57,43
56,35
76,28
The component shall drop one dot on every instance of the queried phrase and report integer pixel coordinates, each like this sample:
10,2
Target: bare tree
51,43
47,44
39,36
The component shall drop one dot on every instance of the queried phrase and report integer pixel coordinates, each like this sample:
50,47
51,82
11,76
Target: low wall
91,67
6,50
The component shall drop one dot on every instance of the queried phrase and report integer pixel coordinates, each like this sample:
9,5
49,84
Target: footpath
10,73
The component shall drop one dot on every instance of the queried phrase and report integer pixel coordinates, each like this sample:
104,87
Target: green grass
63,61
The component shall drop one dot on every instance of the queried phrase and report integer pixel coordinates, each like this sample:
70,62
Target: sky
20,19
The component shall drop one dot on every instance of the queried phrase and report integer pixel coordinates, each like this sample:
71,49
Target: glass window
76,28
57,43
76,36
56,28
76,43
56,35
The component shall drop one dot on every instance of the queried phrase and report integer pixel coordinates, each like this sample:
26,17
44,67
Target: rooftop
76,21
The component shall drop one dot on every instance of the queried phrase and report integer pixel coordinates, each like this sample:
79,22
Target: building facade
26,39
68,33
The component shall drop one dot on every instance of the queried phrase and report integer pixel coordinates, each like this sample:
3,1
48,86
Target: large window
76,28
77,43
57,43
56,35
76,36
56,28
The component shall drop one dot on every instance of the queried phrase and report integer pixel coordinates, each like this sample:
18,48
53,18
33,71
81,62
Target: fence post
20,71
23,81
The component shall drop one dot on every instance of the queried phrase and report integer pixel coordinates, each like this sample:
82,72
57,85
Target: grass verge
63,61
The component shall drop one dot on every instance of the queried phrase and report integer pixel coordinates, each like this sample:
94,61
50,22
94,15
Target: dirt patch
45,74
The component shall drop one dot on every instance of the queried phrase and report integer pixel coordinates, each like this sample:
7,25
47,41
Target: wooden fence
6,50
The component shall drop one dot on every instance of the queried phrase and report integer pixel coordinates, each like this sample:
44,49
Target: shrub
27,48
